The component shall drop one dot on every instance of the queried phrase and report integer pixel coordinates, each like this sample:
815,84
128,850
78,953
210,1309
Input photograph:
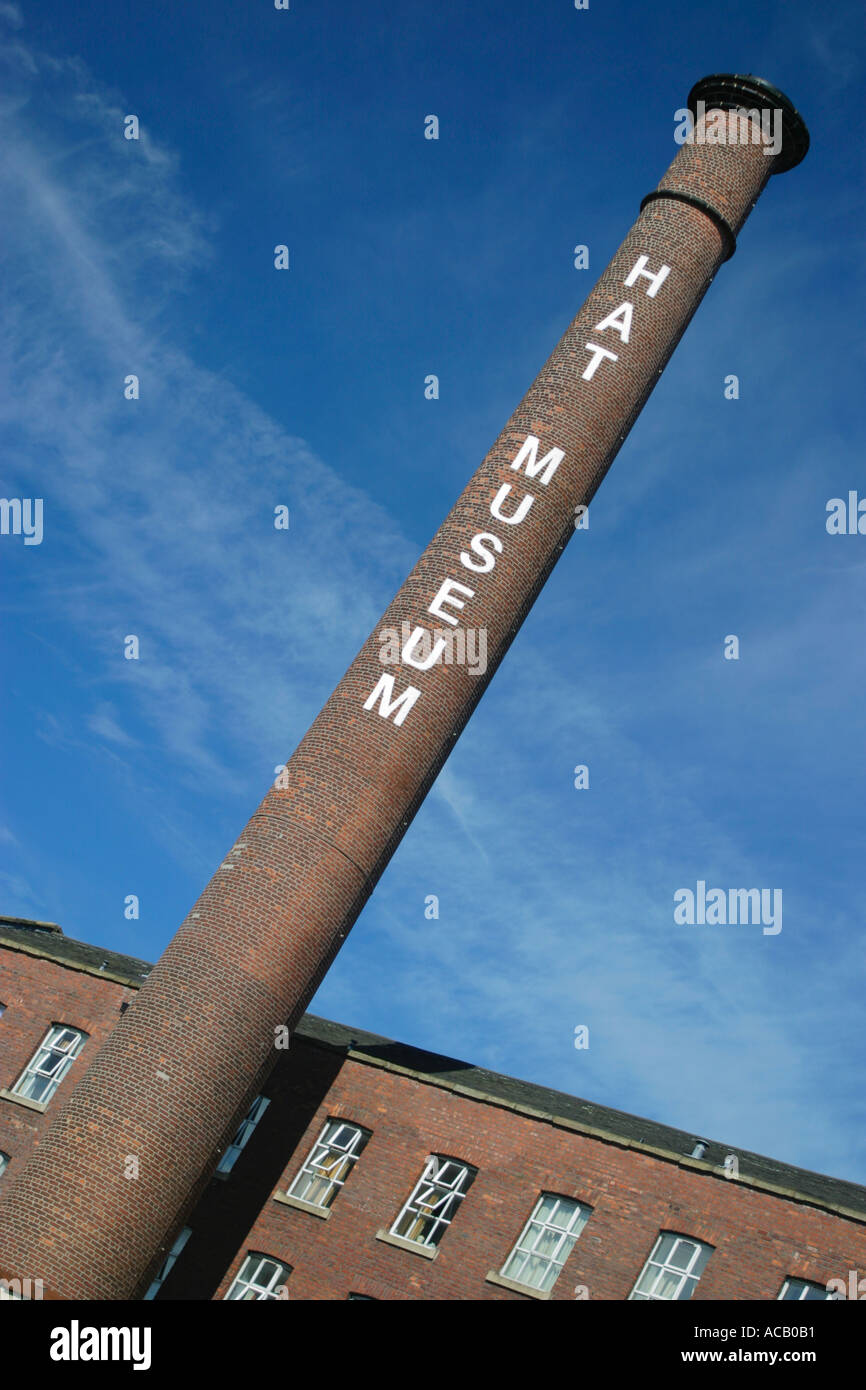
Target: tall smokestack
178,1071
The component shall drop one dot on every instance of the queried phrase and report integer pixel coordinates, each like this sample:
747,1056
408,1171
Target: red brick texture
38,992
180,1068
759,1239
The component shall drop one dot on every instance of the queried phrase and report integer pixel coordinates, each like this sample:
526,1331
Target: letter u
518,516
406,654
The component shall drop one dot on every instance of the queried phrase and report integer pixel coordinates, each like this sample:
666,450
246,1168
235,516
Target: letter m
744,906
10,516
529,455
115,1344
387,705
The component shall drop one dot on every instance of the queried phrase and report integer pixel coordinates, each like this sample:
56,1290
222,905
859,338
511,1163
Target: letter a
619,320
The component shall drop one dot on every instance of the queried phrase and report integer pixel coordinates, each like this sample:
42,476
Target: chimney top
736,91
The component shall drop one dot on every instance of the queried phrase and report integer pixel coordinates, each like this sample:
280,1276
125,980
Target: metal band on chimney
730,241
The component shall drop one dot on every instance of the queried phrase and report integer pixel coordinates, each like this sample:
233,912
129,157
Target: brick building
371,1170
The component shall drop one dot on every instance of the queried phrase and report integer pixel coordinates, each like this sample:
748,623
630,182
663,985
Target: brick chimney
175,1076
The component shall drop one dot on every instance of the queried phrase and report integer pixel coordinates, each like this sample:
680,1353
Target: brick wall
759,1238
38,992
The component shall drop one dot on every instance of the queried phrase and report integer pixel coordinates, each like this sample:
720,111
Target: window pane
259,1278
545,1208
672,1269
329,1163
667,1284
434,1201
681,1255
49,1064
647,1280
664,1248
546,1241
562,1215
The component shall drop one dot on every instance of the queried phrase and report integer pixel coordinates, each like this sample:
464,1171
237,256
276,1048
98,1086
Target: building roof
525,1097
47,939
584,1116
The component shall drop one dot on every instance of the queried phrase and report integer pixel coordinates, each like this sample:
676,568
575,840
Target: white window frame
329,1162
807,1285
168,1264
525,1250
5,1160
420,1206
246,1286
688,1274
58,1050
244,1134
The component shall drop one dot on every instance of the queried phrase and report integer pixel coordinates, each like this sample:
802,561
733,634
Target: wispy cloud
161,510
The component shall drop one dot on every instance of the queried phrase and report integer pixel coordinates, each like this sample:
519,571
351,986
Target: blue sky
306,388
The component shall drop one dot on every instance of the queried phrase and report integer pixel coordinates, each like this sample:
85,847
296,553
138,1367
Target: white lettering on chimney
445,596
486,545
420,634
515,519
488,560
600,352
529,452
656,281
383,692
622,325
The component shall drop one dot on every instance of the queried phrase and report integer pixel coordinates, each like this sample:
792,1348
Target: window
434,1200
2,1010
802,1289
545,1242
259,1277
363,1298
673,1269
329,1163
4,1162
253,1115
50,1063
168,1263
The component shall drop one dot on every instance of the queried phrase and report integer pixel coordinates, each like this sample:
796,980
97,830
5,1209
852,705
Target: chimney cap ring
734,91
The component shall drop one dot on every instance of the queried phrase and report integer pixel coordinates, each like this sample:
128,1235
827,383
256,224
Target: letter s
487,559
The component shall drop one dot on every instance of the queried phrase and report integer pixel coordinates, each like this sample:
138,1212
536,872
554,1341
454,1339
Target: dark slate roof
554,1105
47,939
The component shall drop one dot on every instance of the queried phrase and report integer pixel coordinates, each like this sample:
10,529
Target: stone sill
301,1205
40,1105
427,1252
504,1283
